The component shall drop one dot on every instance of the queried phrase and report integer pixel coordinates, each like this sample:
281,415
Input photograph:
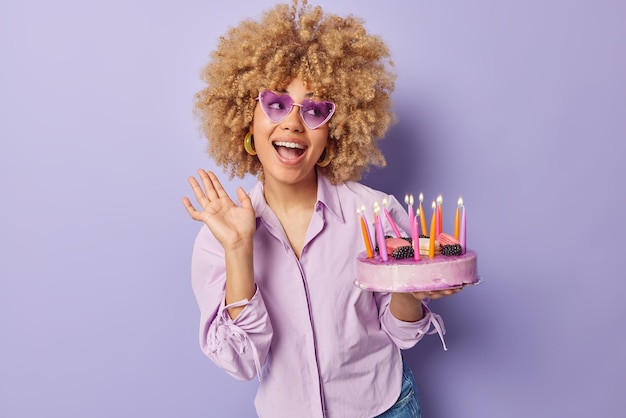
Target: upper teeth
288,145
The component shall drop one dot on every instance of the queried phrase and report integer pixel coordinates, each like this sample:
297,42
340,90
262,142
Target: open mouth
289,150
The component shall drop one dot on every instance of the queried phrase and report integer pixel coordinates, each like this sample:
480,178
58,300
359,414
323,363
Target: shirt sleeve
406,334
238,346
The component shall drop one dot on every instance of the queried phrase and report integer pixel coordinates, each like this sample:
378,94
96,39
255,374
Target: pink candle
415,236
380,236
457,218
438,226
413,224
391,222
409,203
462,235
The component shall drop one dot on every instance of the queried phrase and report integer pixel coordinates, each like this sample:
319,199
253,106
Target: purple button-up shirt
320,346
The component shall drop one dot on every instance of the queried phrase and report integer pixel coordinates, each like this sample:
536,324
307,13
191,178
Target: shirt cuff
422,327
252,320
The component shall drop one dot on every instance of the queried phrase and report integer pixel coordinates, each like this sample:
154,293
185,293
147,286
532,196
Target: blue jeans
408,404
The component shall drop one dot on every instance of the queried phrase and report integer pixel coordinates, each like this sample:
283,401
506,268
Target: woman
300,98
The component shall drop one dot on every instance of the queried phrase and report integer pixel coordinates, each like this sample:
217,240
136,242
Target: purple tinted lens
315,114
277,106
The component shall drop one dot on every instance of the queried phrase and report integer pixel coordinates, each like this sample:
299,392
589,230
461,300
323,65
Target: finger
421,295
213,188
445,292
218,186
449,292
190,209
197,191
209,189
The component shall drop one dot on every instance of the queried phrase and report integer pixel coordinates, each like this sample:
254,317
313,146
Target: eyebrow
308,95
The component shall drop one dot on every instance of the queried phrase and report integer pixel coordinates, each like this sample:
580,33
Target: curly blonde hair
338,60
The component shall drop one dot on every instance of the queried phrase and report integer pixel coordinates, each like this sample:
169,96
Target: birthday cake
435,262
409,275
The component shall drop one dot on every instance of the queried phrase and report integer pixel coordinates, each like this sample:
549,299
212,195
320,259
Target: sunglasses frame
300,105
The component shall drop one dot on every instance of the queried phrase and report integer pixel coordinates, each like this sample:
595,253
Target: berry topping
403,252
451,249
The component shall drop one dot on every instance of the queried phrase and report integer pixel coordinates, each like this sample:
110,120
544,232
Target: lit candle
409,203
439,228
413,224
416,238
433,225
380,235
422,216
462,238
391,222
366,234
457,219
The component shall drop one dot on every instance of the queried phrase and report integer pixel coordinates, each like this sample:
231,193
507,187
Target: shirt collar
327,195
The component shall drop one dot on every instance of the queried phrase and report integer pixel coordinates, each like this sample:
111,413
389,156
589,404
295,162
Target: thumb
244,199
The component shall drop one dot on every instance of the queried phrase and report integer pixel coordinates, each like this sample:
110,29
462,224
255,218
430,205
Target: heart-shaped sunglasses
278,106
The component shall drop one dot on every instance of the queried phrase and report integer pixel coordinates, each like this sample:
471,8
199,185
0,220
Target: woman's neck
286,198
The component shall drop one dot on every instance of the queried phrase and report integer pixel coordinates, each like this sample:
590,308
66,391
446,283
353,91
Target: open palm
231,224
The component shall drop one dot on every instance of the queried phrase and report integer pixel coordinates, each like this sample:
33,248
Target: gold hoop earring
248,144
324,158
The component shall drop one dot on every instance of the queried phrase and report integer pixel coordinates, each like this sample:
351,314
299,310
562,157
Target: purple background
517,106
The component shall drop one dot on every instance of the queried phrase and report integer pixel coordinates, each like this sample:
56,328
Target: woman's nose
293,121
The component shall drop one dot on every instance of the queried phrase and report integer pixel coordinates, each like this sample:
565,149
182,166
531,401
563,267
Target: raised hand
232,225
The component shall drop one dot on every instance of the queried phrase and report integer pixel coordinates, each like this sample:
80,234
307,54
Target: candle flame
434,205
363,208
376,208
439,200
421,197
384,201
460,202
408,199
411,200
417,213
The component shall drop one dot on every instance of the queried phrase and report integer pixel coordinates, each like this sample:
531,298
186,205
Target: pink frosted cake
420,263
408,275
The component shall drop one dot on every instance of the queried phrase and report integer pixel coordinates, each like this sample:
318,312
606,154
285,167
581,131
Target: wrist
405,307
